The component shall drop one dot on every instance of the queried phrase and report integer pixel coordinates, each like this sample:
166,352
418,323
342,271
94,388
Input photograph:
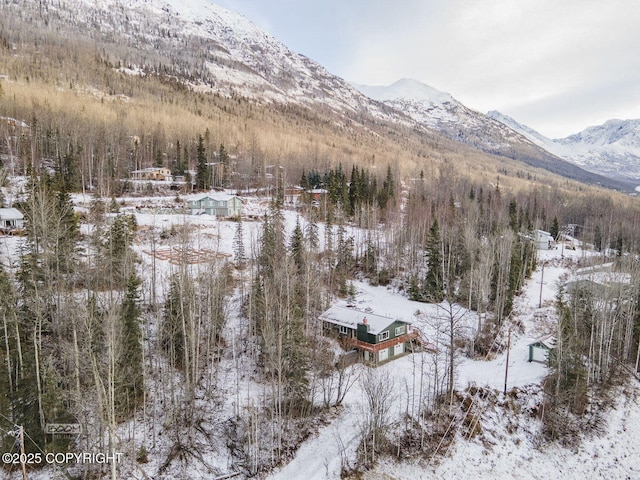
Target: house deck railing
375,348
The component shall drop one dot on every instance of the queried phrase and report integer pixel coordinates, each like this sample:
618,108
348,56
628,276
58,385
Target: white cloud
503,54
561,63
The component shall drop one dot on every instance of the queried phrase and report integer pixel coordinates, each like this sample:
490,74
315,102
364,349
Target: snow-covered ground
520,454
517,455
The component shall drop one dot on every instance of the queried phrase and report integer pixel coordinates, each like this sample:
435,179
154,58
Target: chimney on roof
364,320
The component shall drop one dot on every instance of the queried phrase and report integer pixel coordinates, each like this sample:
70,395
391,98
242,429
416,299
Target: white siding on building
383,354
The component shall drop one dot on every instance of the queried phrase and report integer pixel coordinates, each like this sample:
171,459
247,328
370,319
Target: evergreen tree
387,191
328,230
415,290
513,215
554,228
296,248
272,244
312,235
223,158
516,268
304,181
345,258
159,160
433,284
8,317
203,181
67,176
130,386
177,316
389,183
566,387
597,238
117,252
371,259
178,166
354,191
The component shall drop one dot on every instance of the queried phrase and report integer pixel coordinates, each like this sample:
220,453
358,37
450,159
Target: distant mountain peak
611,149
406,89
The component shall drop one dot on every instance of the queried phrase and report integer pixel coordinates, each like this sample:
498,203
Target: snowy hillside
611,149
528,133
440,111
215,50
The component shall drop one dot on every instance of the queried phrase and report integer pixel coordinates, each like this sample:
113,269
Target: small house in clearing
543,240
293,196
153,173
317,196
11,220
379,338
215,204
539,350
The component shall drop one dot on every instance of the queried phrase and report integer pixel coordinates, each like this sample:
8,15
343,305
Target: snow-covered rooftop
10,214
219,196
351,317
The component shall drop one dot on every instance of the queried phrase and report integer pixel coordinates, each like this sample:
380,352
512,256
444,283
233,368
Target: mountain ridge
443,113
223,53
611,149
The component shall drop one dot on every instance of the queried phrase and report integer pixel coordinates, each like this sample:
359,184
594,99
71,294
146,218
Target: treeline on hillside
455,243
100,156
77,346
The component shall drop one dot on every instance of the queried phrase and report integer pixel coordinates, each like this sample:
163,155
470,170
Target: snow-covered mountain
211,49
439,111
215,50
526,132
611,149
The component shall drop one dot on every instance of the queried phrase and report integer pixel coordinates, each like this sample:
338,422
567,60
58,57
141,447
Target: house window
383,336
344,330
401,330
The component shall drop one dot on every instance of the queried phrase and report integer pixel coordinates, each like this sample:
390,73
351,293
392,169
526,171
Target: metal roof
11,214
351,317
548,342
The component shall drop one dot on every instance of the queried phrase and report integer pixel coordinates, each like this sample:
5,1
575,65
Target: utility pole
541,284
506,368
637,360
22,454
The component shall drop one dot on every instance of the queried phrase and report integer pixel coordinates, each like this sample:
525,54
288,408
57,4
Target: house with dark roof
377,337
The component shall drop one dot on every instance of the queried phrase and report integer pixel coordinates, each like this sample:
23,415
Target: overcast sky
557,66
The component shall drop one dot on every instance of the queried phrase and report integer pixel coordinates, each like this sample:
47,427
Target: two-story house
379,338
221,205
